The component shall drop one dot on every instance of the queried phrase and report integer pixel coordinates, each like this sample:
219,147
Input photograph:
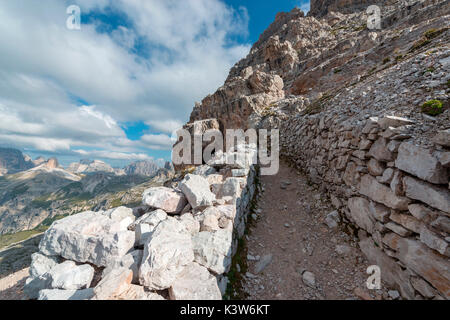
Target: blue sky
116,89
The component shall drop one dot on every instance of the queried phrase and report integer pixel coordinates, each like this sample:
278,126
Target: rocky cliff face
90,166
143,168
299,60
365,113
320,8
12,161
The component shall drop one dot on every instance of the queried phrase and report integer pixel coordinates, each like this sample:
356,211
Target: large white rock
135,292
113,284
169,200
195,283
204,170
189,222
69,276
214,250
41,264
57,294
165,255
209,219
120,213
130,261
420,163
152,218
227,211
145,225
197,191
88,237
232,187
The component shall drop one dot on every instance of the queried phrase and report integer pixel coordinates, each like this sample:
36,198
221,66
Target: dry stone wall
391,188
178,245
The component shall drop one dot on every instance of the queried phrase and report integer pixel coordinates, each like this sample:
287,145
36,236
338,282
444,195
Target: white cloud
166,126
113,155
43,66
304,6
157,141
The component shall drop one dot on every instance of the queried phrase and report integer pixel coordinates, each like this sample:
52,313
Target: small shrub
386,60
427,37
432,107
433,33
116,203
337,70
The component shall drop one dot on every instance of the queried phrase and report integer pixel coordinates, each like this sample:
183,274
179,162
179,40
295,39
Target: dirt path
11,287
291,228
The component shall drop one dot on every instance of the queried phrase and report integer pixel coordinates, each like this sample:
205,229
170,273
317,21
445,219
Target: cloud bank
133,61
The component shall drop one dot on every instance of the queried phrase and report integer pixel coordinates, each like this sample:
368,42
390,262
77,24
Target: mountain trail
298,256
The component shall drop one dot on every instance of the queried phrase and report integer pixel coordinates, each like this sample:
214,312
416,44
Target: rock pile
177,245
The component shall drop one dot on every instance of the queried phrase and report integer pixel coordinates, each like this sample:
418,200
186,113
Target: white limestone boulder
213,250
145,225
190,223
197,191
41,264
130,261
195,283
113,284
88,237
165,255
58,294
69,276
169,200
39,279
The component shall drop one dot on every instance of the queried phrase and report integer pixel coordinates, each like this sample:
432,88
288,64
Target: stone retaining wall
179,245
395,191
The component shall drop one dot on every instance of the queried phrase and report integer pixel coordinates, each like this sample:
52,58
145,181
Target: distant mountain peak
142,168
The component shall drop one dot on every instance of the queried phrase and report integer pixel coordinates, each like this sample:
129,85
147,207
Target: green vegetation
85,196
317,105
433,33
11,238
432,107
386,60
337,70
426,38
399,57
267,110
372,70
116,203
8,239
42,202
235,278
18,190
